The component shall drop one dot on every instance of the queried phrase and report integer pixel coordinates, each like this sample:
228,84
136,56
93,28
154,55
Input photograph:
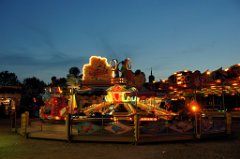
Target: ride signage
98,71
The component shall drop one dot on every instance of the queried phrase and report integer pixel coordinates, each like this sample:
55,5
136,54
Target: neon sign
119,94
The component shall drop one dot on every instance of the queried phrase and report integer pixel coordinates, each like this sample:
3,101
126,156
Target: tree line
32,88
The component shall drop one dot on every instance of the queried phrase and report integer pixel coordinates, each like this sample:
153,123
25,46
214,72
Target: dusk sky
44,38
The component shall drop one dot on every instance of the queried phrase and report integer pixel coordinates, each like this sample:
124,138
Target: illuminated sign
119,94
98,71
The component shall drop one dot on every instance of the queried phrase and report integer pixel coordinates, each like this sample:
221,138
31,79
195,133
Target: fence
134,128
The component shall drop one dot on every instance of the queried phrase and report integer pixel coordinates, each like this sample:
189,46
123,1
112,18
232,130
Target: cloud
54,60
17,60
107,43
25,65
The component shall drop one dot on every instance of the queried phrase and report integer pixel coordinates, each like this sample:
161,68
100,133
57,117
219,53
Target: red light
117,96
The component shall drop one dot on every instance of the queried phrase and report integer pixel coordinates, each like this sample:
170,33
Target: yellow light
194,108
148,119
226,69
179,83
213,87
57,118
115,119
60,90
208,72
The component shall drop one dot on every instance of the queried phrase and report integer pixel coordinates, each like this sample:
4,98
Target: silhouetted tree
53,79
31,94
140,78
61,82
8,79
74,71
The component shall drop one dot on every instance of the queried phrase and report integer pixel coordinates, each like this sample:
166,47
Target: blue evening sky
44,38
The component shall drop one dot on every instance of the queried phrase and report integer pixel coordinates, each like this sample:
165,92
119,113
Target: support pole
197,126
68,127
228,123
13,118
136,128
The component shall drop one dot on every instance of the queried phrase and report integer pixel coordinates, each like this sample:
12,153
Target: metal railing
134,128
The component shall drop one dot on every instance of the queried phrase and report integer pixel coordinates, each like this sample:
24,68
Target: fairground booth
9,100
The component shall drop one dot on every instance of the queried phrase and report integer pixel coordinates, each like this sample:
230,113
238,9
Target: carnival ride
122,92
120,101
56,105
109,104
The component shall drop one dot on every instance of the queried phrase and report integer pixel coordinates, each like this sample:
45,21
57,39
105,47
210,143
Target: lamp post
195,109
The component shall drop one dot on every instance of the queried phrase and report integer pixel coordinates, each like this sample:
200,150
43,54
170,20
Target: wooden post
136,128
68,127
228,123
23,124
198,125
13,116
13,121
27,118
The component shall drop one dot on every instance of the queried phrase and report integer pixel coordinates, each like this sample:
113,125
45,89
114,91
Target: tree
53,79
31,94
140,78
8,79
61,82
73,78
74,71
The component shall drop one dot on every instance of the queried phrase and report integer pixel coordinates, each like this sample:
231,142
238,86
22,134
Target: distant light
203,115
179,82
148,119
57,118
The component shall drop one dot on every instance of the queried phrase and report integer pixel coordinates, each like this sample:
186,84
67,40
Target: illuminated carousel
110,101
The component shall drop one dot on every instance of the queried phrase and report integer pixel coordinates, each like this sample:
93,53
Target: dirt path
14,146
